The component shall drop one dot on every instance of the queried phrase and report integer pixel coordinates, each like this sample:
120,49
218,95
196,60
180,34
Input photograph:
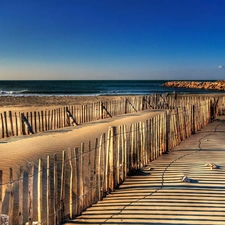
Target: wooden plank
117,157
39,122
132,105
95,151
11,197
11,123
132,147
42,121
77,180
62,189
6,125
48,193
71,184
82,179
2,126
125,146
107,161
16,124
89,177
35,122
106,110
101,167
21,193
55,200
69,114
30,193
39,190
111,158
25,121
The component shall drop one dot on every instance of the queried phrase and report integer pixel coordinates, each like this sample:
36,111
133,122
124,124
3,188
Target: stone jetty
208,85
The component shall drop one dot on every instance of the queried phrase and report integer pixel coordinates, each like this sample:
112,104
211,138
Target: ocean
89,88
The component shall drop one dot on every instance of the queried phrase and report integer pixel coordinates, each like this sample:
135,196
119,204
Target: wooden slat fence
63,186
25,123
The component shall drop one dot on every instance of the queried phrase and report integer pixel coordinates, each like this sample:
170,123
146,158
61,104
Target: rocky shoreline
216,85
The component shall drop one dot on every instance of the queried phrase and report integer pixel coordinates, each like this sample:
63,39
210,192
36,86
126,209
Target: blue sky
112,39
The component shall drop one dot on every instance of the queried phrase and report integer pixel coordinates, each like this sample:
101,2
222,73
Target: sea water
90,87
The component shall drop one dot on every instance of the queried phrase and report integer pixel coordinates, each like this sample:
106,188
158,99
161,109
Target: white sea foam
9,93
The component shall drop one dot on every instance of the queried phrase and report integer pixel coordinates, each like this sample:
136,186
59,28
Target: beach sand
42,102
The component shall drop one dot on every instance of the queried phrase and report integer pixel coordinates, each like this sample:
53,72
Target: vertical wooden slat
89,177
6,125
2,126
71,185
122,153
94,189
132,147
111,158
62,190
20,214
39,122
11,198
11,123
77,181
125,152
35,122
55,200
42,121
31,121
107,161
48,194
99,185
81,187
30,193
117,158
16,125
40,172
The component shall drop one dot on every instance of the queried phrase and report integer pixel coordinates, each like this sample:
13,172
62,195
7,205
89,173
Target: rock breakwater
215,85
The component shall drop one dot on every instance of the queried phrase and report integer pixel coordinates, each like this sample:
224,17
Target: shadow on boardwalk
157,194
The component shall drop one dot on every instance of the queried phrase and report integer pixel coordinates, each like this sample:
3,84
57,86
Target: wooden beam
131,104
69,114
103,107
24,119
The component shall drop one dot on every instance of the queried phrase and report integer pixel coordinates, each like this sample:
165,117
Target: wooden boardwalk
157,195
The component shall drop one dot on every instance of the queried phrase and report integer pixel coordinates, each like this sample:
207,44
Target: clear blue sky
112,39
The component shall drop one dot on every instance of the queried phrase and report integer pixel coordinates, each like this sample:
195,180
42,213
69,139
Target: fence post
6,125
40,168
193,119
81,187
99,185
55,205
111,158
2,125
89,179
71,184
20,214
48,194
30,193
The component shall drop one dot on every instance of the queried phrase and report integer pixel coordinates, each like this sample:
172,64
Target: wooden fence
25,123
63,186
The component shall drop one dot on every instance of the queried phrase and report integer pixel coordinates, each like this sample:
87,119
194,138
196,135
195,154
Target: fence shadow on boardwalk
63,186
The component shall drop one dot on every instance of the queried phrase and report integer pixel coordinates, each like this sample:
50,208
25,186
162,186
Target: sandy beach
37,102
